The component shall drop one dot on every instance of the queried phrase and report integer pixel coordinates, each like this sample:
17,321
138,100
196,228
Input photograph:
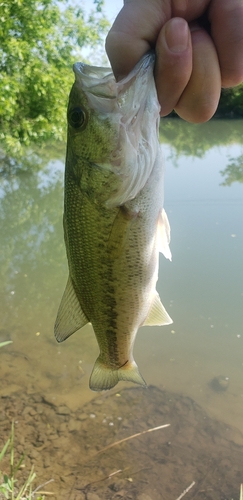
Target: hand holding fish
192,62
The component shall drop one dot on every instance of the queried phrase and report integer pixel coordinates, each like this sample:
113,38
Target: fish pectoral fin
104,378
70,316
164,234
157,314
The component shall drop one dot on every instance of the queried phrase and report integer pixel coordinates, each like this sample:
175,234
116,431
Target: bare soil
67,445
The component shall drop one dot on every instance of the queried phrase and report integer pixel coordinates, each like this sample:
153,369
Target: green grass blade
12,451
2,453
26,485
16,468
2,344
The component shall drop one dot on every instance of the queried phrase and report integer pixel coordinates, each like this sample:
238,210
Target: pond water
198,360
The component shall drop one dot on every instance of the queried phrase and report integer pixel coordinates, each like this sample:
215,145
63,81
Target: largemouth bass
114,222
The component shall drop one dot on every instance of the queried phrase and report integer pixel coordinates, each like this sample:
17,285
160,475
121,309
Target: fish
114,221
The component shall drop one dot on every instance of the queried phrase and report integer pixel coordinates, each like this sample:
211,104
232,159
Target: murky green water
202,288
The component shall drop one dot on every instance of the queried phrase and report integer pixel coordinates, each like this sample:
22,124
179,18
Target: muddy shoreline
67,445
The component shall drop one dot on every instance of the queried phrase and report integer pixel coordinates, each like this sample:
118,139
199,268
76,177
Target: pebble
82,416
50,400
33,454
121,494
47,462
37,398
9,390
63,427
29,410
220,383
63,410
2,416
92,496
98,401
144,496
73,425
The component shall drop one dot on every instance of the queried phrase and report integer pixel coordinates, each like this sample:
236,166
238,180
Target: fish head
112,125
91,134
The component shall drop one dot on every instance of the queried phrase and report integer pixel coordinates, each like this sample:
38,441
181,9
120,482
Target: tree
231,102
39,41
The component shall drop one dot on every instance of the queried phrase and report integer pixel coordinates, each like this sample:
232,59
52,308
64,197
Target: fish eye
76,117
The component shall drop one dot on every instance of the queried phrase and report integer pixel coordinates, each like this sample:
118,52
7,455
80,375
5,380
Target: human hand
192,64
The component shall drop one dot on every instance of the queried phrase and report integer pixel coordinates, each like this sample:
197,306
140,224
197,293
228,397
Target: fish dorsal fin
164,234
70,316
157,314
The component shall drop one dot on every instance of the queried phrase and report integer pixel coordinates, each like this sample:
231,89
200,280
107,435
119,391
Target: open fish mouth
131,108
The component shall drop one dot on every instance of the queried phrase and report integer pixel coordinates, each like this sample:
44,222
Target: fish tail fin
104,378
130,373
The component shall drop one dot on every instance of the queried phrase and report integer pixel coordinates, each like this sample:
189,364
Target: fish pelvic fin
157,314
104,378
70,316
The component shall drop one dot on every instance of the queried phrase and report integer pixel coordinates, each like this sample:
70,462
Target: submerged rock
220,383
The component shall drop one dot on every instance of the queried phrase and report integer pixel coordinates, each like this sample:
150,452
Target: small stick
99,480
41,486
113,473
130,437
46,493
186,490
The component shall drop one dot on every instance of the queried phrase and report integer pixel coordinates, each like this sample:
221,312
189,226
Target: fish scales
114,221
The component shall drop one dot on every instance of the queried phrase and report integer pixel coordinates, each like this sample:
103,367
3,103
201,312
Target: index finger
128,40
226,18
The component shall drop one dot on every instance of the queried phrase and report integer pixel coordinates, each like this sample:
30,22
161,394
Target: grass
2,344
9,489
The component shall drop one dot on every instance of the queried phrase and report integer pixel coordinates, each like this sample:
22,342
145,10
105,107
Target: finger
137,26
226,18
200,98
173,63
134,33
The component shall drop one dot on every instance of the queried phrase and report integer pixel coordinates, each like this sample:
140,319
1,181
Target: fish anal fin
70,316
164,234
157,314
104,377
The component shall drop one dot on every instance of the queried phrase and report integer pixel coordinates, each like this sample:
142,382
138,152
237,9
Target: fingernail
177,34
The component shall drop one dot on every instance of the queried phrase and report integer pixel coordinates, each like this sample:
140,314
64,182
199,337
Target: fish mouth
100,81
130,106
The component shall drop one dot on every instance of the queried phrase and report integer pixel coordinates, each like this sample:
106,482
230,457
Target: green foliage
231,102
39,41
9,488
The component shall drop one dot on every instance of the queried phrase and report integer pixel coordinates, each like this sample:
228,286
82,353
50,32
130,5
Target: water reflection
234,171
32,257
202,287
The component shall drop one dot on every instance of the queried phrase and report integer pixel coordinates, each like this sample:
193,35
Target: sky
111,8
